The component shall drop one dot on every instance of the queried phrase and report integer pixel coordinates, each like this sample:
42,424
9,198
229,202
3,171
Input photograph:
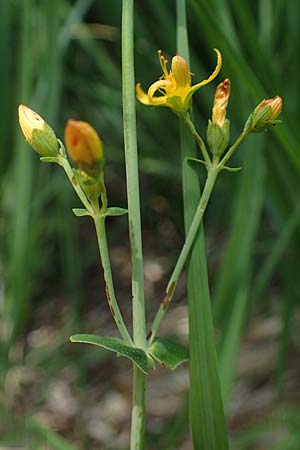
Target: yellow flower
37,132
84,146
174,87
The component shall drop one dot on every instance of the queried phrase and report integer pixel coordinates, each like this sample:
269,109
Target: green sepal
62,149
81,212
218,137
50,159
140,358
168,353
115,211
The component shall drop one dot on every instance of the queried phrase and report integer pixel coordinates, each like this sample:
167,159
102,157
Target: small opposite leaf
137,355
168,353
51,159
81,212
200,161
232,169
115,211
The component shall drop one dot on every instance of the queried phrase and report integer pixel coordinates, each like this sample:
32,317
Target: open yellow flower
174,88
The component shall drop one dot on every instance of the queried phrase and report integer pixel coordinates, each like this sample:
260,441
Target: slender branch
232,149
210,182
109,287
186,118
64,163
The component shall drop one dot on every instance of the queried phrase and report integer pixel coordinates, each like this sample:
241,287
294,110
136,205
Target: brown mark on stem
74,181
149,335
112,311
107,293
168,297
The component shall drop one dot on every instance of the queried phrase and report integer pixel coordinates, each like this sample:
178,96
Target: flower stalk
131,160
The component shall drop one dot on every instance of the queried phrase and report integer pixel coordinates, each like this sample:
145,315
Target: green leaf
115,211
168,353
137,355
199,161
81,212
50,159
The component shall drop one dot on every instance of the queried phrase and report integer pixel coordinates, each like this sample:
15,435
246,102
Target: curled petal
141,95
211,77
157,86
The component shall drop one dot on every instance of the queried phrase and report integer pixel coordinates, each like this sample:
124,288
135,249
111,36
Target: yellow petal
141,95
160,84
212,76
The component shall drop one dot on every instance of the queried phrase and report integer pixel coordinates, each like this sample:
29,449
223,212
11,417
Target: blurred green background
62,59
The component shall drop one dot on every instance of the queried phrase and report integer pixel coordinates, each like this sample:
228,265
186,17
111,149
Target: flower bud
218,137
220,102
37,132
218,129
84,146
264,115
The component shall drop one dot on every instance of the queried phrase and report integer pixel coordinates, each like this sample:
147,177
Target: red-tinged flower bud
220,102
84,146
264,115
218,129
37,132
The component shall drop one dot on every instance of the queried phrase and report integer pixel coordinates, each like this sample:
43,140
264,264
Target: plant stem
232,148
187,119
110,292
64,163
131,160
209,185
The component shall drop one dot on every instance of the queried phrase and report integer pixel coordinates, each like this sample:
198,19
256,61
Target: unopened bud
84,146
37,132
220,102
218,129
264,115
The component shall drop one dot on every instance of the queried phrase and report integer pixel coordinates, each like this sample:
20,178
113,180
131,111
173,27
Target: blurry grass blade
276,253
207,419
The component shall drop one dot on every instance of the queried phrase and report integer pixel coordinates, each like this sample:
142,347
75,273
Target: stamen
163,63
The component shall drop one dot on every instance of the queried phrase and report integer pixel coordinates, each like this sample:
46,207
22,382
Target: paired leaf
143,361
81,212
115,211
168,353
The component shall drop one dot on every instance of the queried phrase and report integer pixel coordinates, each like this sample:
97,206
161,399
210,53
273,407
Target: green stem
232,149
134,217
187,119
64,163
109,287
209,185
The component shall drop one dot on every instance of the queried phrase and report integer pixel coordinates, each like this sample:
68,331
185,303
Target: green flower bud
37,132
264,115
218,137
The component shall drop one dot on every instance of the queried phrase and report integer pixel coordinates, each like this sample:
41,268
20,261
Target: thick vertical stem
131,159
